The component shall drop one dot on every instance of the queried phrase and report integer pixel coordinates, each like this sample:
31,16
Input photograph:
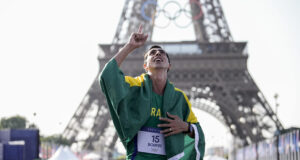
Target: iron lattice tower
212,70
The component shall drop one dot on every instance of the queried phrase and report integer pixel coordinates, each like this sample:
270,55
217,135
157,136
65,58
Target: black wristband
189,130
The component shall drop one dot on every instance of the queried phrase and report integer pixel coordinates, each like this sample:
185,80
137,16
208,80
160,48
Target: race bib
150,140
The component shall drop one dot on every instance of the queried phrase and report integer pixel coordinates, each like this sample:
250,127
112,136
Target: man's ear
145,67
169,67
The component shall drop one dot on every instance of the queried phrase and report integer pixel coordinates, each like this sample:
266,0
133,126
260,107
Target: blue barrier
13,152
29,136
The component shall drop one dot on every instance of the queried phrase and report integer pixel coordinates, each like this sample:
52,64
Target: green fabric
189,146
153,121
156,103
130,108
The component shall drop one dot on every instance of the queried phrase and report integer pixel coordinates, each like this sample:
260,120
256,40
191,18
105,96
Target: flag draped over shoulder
129,100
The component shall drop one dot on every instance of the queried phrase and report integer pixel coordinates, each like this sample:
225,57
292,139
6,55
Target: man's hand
175,125
138,39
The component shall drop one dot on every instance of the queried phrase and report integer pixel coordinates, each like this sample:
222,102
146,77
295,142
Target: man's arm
136,40
112,80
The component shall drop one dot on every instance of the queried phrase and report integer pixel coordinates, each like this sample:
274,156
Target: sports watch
190,128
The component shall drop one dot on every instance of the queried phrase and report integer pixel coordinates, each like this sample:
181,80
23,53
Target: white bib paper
150,140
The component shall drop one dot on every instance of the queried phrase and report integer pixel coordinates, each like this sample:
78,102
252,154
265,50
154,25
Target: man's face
157,59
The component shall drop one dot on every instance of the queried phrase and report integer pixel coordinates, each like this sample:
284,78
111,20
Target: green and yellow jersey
133,105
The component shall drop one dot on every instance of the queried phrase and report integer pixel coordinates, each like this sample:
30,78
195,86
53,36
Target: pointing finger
140,29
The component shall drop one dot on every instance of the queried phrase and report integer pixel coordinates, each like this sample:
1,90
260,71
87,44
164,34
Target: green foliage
14,122
32,126
57,139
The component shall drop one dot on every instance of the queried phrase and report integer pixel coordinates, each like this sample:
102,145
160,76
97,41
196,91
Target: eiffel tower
212,70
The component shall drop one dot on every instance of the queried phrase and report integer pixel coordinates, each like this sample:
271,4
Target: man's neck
159,80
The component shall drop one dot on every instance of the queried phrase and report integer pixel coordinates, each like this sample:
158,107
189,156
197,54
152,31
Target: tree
32,126
15,122
57,139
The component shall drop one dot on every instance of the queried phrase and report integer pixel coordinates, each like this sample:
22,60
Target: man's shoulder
135,81
181,94
179,90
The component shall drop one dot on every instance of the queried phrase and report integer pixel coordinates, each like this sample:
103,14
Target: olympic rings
157,13
200,14
147,18
175,16
177,13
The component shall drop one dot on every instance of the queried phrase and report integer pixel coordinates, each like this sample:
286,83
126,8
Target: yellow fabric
191,118
137,81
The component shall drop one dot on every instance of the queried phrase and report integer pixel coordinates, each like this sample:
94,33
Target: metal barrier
282,147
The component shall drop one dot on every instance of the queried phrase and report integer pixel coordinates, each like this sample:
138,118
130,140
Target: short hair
154,46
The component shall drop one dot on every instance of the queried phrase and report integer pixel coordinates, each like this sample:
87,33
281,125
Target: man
151,116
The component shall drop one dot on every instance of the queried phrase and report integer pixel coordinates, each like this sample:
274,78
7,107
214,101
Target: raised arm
136,40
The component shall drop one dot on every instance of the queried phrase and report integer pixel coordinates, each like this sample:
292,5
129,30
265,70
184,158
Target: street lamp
276,103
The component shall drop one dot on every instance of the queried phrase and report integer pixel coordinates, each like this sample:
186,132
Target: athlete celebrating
153,119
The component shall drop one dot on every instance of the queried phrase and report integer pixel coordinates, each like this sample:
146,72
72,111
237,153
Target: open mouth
158,60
